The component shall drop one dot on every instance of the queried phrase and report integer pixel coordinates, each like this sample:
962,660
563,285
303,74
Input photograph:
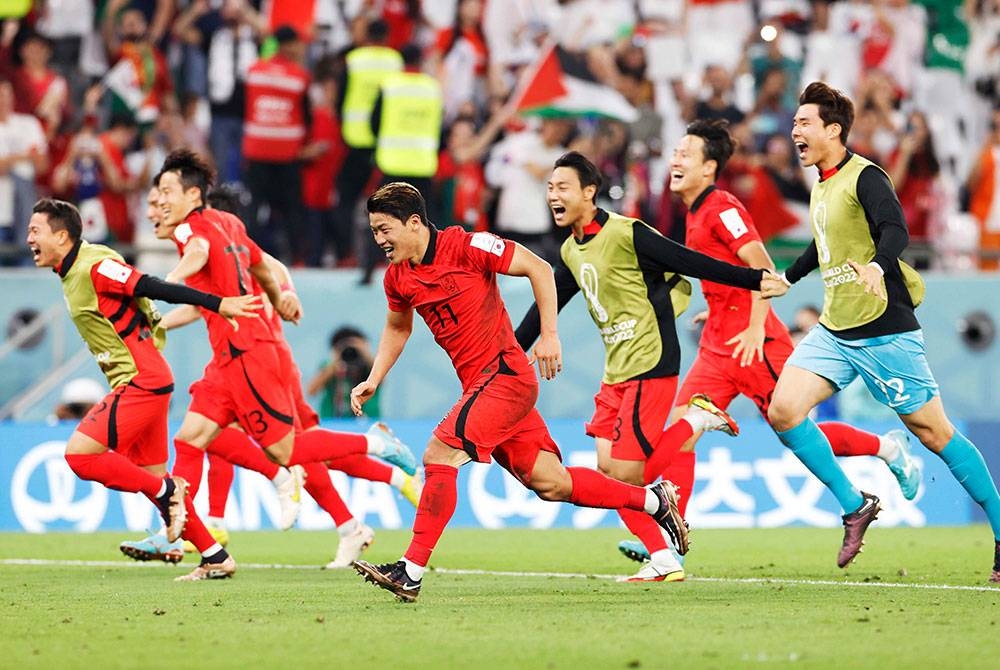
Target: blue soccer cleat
393,450
904,466
154,548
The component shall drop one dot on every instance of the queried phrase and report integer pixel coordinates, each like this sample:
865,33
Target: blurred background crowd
305,106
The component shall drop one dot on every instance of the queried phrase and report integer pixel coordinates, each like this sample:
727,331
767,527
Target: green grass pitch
754,598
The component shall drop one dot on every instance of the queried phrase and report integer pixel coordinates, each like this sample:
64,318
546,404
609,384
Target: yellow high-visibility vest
367,67
410,126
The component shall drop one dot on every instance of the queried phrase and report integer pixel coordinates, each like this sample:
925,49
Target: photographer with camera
349,364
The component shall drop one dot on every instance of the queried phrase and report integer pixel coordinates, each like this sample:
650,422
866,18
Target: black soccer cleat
855,525
995,577
392,577
669,517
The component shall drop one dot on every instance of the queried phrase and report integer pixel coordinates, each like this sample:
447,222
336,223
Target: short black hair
719,143
344,333
227,198
192,170
61,215
587,172
834,106
122,120
399,200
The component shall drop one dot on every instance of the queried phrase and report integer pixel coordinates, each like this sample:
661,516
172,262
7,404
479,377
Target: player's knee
280,453
553,489
782,416
933,437
630,472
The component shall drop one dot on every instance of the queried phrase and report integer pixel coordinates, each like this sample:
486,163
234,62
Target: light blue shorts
893,367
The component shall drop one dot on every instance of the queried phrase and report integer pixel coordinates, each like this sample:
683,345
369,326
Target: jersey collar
594,226
67,262
826,174
700,200
431,247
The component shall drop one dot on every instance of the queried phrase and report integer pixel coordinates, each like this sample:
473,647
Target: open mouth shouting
558,211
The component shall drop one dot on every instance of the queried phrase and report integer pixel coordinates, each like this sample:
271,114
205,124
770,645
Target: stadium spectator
984,190
23,156
38,89
914,169
717,103
76,399
139,78
519,167
274,136
459,58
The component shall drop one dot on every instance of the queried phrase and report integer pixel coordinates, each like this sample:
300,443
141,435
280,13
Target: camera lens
350,355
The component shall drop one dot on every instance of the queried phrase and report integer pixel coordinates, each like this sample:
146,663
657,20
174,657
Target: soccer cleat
669,517
634,550
350,547
290,496
155,547
855,525
665,569
718,418
392,577
222,570
904,466
995,577
393,450
219,534
412,487
174,512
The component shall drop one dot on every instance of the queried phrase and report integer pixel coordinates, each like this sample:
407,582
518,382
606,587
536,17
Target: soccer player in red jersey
744,345
245,382
627,273
449,278
122,442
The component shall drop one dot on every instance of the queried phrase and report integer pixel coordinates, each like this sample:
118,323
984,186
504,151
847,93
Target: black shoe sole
375,577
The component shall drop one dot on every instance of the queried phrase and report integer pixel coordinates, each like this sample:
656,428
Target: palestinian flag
561,84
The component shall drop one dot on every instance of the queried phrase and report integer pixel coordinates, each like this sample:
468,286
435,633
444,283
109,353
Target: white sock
888,449
652,503
348,528
698,418
398,478
375,444
216,522
163,489
663,558
212,551
281,477
413,571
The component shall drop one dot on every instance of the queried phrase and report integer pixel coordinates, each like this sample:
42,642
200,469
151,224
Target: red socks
189,463
593,489
645,528
220,479
437,505
363,467
667,447
194,529
234,446
680,471
116,472
314,446
319,486
848,440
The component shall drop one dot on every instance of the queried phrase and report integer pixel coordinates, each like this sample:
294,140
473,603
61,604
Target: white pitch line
512,573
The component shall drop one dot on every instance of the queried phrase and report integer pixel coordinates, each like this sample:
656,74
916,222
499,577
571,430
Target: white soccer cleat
350,548
222,570
714,417
666,568
290,496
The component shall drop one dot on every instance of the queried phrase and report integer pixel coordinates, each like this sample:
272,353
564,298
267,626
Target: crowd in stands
94,93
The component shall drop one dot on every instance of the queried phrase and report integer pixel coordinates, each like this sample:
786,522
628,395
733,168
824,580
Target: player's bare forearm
398,326
192,260
265,277
180,317
543,285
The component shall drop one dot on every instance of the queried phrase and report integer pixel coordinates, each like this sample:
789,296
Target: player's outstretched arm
180,317
398,326
748,345
659,254
289,302
264,275
245,306
548,350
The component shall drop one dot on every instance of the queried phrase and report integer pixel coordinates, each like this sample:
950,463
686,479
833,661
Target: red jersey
717,226
115,328
454,290
319,174
274,127
231,252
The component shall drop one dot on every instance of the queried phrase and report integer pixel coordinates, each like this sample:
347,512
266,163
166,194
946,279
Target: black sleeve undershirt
657,253
804,264
884,214
531,324
149,286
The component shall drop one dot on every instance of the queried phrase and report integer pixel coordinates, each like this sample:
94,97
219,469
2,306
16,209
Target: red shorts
721,378
133,422
304,412
633,415
251,390
496,417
